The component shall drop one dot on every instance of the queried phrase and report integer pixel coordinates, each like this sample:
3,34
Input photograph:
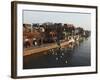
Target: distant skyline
77,19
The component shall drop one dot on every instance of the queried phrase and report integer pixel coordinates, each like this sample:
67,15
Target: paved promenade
45,48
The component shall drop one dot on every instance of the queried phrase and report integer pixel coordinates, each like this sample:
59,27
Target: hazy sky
78,19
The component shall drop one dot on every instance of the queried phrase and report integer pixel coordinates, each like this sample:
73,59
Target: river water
80,55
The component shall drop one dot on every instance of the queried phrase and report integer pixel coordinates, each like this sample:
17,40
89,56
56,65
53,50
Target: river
80,55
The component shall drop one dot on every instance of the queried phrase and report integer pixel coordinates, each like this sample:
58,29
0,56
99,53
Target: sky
77,19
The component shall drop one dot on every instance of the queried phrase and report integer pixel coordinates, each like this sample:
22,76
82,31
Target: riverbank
46,48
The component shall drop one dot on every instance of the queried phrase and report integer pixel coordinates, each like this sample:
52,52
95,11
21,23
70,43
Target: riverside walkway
47,47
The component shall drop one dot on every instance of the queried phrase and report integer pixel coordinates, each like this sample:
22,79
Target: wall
5,40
